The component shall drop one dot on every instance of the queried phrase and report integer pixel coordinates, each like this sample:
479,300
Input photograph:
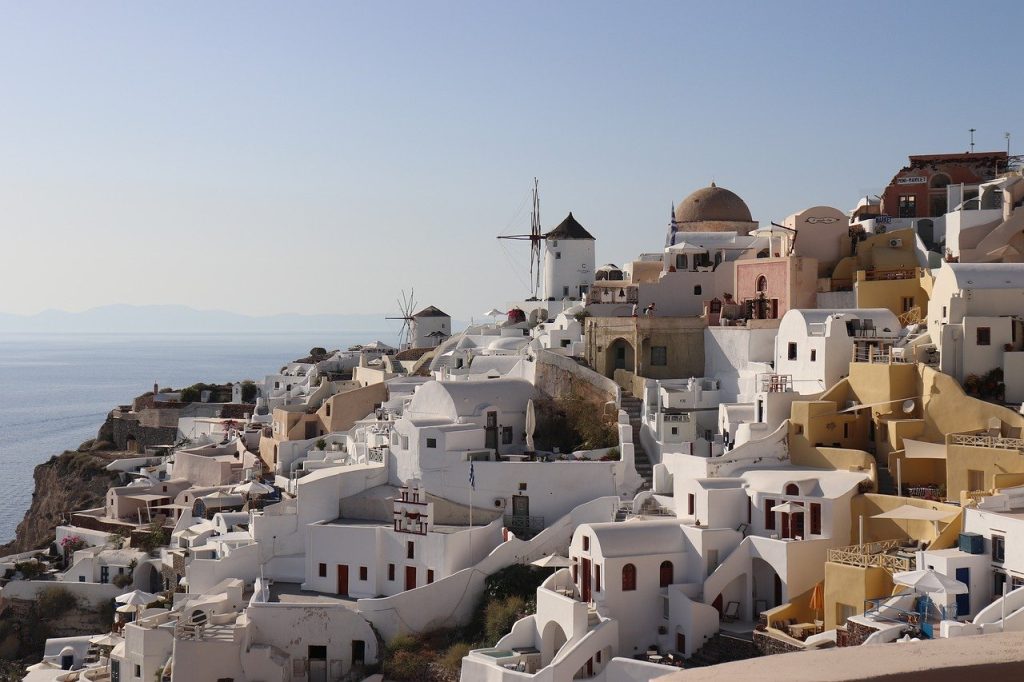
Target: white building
429,327
568,261
815,347
975,321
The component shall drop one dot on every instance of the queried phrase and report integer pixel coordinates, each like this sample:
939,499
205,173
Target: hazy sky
320,157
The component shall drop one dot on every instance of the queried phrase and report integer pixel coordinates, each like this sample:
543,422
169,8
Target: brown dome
713,204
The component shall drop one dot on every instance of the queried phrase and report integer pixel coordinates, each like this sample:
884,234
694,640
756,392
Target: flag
472,476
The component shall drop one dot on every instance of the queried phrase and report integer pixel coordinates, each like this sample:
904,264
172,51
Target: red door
410,577
343,580
585,580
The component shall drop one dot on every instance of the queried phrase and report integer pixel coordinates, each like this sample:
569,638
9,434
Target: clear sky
320,157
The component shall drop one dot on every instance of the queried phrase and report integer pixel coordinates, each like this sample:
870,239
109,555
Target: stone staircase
722,648
886,481
633,407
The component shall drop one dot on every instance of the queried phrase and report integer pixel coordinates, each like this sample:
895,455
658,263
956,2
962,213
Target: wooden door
410,577
585,580
343,580
491,431
520,505
681,643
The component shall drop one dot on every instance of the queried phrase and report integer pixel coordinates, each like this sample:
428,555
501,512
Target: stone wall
769,645
559,376
126,428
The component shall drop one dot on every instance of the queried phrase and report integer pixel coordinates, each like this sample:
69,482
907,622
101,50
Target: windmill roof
431,311
569,229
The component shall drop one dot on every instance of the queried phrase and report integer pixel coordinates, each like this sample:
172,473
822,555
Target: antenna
973,130
535,237
1007,136
406,305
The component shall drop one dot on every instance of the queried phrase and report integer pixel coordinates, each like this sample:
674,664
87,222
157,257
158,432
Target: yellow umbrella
818,598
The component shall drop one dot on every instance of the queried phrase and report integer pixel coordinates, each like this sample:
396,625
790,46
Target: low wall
560,376
91,593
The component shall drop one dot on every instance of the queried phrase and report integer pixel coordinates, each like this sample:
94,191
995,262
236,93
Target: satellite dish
908,405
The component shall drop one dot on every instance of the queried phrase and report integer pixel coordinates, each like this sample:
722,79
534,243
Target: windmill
406,305
535,238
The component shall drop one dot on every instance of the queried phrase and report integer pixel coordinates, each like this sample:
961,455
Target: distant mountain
178,318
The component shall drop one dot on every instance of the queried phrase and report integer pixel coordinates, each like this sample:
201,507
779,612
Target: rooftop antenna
973,130
406,305
1007,136
535,237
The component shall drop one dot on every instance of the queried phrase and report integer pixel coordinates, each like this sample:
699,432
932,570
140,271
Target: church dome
713,204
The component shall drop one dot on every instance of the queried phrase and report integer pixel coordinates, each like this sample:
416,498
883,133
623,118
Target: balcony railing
978,440
775,383
525,527
872,554
881,275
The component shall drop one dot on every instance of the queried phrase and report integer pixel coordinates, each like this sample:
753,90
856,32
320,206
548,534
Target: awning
906,512
919,449
789,508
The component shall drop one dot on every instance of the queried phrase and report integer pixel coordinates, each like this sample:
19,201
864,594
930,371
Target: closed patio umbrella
818,598
531,424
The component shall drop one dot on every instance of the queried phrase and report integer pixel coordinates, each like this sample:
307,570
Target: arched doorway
620,355
765,585
552,639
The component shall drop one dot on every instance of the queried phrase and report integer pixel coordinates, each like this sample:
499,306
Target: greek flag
472,476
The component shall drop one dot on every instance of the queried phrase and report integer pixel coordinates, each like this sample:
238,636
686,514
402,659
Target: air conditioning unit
499,502
895,243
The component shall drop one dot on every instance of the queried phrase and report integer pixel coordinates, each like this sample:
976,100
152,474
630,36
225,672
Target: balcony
883,275
775,383
982,440
887,554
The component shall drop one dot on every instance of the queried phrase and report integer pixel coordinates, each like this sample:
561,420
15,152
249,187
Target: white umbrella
552,561
929,582
788,508
493,314
127,608
531,424
906,512
108,639
137,598
253,488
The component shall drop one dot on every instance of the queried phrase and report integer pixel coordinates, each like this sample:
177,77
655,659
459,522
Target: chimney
156,388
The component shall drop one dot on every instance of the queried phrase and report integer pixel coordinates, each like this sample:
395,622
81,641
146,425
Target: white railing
983,441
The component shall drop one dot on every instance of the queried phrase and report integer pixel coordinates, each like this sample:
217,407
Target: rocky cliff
68,482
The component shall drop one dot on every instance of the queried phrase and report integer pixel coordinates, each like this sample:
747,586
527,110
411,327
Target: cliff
67,482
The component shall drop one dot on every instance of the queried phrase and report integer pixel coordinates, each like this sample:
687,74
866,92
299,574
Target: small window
431,442
769,515
506,435
558,255
597,578
666,574
138,671
659,356
675,431
430,575
410,550
762,283
691,504
984,336
792,489
998,548
327,409
791,351
814,354
323,570
586,543
697,290
363,573
628,578
907,303
815,518
522,486
391,572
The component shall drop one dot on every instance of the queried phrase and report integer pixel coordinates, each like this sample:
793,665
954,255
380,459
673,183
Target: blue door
963,601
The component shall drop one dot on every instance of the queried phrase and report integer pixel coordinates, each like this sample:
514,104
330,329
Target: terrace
892,555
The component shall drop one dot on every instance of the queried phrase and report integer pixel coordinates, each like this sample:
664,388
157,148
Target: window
846,430
659,356
558,255
391,572
943,312
410,550
675,430
628,578
327,409
697,290
998,548
586,543
138,671
791,351
431,442
506,435
792,489
430,575
597,578
522,486
762,283
769,515
104,574
984,336
681,261
908,206
975,479
907,303
322,571
665,574
691,503
814,354
815,518
565,291
363,573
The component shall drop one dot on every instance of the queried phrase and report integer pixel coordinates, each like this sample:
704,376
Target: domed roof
713,204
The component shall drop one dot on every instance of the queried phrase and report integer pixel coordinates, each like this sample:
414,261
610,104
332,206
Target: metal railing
984,441
524,527
872,554
775,383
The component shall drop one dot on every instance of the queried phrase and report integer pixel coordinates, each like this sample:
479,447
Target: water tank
972,543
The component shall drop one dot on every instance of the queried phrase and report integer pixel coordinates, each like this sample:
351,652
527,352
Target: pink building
767,288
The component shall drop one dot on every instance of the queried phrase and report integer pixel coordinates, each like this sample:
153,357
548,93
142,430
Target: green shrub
409,666
517,580
122,580
450,662
248,391
500,615
54,602
30,569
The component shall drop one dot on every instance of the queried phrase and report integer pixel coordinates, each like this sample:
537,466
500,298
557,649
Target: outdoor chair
732,611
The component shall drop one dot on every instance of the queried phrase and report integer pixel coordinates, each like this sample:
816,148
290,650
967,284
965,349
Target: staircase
722,648
886,482
633,407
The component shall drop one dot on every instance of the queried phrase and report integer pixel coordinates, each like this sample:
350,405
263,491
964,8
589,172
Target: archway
147,578
620,355
731,602
765,582
552,639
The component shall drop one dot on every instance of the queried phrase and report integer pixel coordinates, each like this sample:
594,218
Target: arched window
665,574
628,578
792,489
762,283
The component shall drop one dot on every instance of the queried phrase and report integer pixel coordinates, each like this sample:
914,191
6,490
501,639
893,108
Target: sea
56,389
